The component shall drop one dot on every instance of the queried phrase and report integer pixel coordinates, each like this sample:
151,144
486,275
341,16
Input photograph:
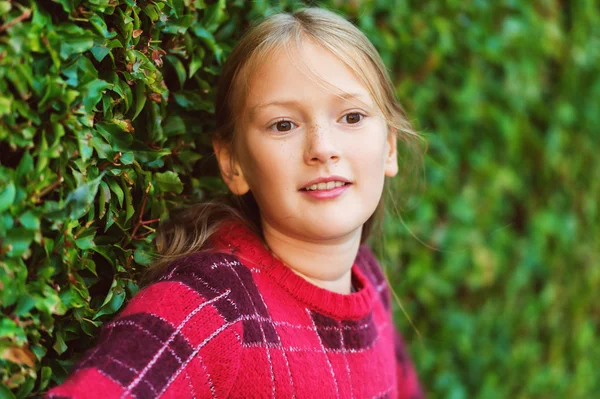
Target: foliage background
104,106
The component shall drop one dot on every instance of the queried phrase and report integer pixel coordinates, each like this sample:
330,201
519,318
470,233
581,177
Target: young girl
273,293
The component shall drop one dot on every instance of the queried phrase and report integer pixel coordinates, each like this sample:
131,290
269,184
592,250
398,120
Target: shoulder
369,265
207,279
218,278
180,336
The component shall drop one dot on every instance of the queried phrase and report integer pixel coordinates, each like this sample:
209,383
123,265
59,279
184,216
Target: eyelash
363,116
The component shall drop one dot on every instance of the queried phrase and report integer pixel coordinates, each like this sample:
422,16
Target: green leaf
18,241
99,51
116,188
140,99
143,256
129,209
179,68
5,7
6,393
192,101
59,342
168,182
98,23
113,301
119,139
173,126
75,44
86,240
30,220
7,196
92,93
5,106
25,303
80,200
214,15
25,167
46,374
104,198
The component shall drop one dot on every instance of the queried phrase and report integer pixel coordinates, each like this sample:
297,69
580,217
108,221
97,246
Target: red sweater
236,322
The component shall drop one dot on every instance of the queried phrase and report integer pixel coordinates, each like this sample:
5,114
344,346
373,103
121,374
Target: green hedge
104,108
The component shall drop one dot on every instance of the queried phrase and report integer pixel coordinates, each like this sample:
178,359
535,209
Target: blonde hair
189,230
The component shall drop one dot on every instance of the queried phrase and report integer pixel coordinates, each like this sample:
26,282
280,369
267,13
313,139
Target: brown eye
282,126
353,117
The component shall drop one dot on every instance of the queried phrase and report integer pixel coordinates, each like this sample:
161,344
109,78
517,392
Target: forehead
306,73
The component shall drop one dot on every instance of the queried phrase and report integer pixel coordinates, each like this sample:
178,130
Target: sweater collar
237,239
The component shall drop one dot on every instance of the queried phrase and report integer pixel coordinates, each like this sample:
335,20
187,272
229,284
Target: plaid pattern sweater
236,322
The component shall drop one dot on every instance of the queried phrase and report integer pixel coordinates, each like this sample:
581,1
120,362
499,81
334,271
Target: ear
391,160
230,169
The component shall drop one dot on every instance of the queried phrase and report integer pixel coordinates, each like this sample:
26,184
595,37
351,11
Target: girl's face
293,131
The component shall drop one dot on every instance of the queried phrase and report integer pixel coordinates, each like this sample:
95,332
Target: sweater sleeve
408,382
179,337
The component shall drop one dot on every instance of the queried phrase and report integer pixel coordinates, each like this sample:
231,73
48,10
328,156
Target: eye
282,125
353,117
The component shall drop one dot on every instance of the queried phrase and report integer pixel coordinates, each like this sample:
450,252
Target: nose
320,145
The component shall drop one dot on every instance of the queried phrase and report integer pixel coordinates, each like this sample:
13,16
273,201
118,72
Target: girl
273,293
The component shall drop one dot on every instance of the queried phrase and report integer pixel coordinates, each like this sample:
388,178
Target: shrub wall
104,108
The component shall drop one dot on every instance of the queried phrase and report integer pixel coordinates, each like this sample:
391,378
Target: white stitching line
113,380
324,352
225,263
345,350
171,350
213,289
258,317
346,361
150,333
163,320
184,365
274,392
185,261
173,335
189,380
281,342
99,371
213,266
210,382
114,359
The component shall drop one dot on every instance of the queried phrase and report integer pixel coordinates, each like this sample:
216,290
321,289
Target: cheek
370,159
265,165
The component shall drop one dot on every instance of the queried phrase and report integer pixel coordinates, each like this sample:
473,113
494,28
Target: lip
326,194
325,180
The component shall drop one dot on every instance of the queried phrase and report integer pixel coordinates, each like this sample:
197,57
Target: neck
325,263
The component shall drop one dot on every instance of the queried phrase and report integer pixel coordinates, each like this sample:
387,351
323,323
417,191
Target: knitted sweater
236,322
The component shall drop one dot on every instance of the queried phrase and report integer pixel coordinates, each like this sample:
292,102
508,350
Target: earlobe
230,169
391,160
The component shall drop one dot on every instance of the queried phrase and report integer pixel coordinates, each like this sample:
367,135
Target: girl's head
304,96
301,97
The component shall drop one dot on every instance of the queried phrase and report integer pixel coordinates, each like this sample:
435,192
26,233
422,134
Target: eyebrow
345,96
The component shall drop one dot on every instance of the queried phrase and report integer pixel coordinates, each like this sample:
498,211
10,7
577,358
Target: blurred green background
104,109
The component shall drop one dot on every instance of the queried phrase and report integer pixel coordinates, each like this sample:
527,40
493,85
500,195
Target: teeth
326,186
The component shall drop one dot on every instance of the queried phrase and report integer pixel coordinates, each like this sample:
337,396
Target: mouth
325,183
325,186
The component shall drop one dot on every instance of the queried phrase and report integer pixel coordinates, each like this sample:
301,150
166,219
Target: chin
327,229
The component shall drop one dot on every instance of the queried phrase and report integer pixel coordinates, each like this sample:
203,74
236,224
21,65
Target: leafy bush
104,108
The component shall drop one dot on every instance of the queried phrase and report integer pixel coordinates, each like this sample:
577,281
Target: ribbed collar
235,238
